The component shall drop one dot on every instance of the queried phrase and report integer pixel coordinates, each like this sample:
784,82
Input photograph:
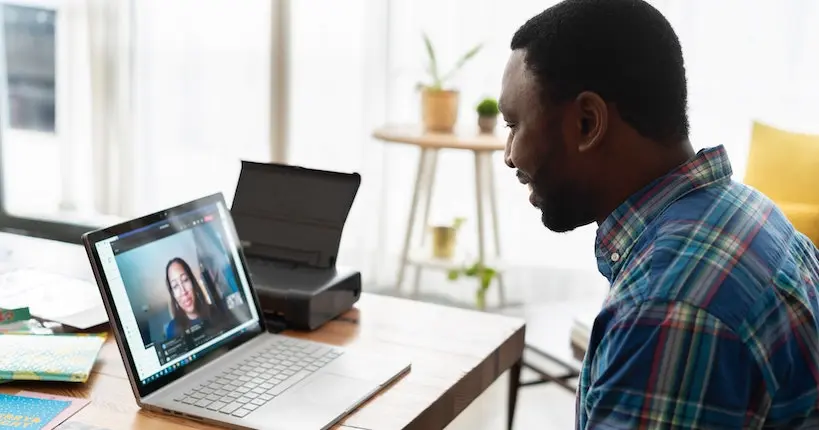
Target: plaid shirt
712,319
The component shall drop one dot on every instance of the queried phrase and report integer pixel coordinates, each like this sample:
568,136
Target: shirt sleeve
672,365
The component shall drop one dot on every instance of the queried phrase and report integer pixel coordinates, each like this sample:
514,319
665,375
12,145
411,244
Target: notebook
57,357
74,406
8,316
31,413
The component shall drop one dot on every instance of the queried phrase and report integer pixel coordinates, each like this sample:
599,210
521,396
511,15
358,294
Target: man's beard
562,206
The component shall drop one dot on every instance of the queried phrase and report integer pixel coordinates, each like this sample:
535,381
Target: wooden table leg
493,210
479,195
420,176
427,186
514,387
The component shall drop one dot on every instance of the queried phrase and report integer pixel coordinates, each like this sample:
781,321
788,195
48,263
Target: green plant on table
483,273
488,107
437,79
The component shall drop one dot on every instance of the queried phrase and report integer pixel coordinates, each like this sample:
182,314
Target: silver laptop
188,324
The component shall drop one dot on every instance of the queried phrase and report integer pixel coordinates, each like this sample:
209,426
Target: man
711,318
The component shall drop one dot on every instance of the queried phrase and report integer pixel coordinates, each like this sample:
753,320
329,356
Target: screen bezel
90,240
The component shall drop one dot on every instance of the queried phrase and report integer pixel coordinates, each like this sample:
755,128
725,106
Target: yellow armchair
785,167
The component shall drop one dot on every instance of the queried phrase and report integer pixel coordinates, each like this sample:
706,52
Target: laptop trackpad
334,390
314,404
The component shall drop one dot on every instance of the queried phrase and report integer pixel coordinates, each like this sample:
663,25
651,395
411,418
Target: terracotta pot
443,242
487,123
439,109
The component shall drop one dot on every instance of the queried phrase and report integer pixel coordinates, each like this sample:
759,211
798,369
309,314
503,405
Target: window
30,51
36,151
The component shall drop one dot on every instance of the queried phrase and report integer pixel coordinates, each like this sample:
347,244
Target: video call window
183,287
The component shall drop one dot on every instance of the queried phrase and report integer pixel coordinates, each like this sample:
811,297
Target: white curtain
110,35
201,97
157,103
51,175
355,65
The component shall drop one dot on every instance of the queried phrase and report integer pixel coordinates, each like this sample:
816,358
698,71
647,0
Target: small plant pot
439,110
487,123
444,239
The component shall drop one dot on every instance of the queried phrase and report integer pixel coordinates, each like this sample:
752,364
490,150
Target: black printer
290,220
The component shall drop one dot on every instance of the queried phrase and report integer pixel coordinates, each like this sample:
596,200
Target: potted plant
483,273
444,239
488,115
439,103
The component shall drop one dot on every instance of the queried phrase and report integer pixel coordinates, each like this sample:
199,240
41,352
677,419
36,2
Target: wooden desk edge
451,403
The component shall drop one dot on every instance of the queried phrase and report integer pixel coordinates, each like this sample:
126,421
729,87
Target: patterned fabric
712,319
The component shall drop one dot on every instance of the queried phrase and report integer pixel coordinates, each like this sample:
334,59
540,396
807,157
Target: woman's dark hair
202,308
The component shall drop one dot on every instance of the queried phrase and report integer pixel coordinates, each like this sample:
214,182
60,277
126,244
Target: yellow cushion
804,217
784,165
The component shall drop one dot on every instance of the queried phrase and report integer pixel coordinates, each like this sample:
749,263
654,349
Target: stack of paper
58,357
52,297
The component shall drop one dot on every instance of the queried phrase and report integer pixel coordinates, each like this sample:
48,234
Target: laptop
188,324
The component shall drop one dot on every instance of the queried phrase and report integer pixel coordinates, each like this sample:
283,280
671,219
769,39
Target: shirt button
615,257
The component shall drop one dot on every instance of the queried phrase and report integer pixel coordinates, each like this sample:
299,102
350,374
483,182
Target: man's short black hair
623,50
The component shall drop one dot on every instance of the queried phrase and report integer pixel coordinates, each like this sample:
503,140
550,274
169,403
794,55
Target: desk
456,354
482,147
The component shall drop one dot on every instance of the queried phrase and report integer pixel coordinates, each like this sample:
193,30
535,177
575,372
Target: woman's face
182,287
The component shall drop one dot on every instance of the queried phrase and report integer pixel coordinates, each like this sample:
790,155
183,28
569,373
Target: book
14,315
49,357
74,407
30,413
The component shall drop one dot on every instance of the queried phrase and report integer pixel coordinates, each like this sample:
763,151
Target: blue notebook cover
18,412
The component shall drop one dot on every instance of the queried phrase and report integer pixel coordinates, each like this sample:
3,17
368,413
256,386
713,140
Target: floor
542,407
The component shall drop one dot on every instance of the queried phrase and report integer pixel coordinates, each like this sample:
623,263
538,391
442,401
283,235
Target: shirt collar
621,229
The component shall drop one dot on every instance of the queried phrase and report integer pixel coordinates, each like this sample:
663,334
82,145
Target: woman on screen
188,304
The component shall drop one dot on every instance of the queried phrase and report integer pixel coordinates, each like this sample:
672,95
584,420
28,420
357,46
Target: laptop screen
179,288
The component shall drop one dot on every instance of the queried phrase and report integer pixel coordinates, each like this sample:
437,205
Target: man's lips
523,178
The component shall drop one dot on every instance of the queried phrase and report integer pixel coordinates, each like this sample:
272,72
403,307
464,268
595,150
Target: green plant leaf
433,63
458,222
488,107
453,275
472,270
480,299
462,61
486,278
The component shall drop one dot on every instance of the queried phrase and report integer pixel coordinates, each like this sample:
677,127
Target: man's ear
593,120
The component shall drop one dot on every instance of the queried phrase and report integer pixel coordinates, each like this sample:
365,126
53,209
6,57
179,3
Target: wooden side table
482,147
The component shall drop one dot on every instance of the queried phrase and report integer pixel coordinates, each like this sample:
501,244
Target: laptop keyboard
246,386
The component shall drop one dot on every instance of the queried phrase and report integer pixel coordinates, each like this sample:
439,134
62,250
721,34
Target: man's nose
507,157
